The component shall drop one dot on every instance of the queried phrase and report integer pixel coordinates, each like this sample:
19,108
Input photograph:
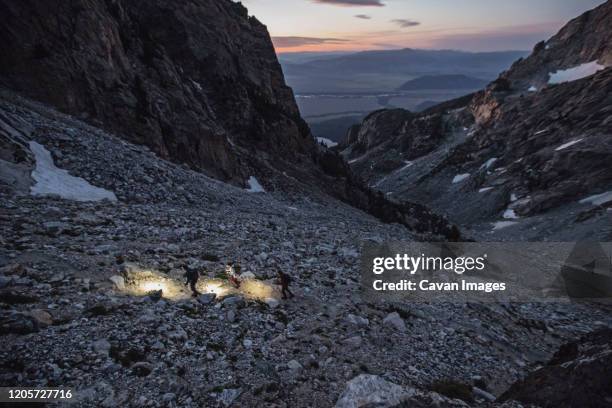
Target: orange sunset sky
352,25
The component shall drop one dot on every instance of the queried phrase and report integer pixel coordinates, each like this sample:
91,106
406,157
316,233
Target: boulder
118,281
353,342
42,317
357,320
229,395
395,321
101,346
370,390
207,298
272,303
142,368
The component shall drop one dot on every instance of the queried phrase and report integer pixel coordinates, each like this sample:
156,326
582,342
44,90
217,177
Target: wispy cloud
352,3
405,23
289,42
363,16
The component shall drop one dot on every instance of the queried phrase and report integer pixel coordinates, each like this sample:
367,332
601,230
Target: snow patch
568,144
460,177
326,142
485,189
52,180
509,214
197,85
358,159
503,224
532,89
406,165
489,163
598,199
254,186
573,74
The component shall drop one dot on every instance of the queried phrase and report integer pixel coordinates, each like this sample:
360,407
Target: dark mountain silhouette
411,61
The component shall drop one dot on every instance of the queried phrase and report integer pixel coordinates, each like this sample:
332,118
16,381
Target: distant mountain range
443,82
389,69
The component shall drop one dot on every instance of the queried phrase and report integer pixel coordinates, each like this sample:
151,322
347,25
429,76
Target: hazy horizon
365,25
394,49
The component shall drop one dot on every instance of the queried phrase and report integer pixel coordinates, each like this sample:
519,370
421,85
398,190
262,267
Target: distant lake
315,107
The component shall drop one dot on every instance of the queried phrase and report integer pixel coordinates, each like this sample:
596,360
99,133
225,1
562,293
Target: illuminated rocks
118,281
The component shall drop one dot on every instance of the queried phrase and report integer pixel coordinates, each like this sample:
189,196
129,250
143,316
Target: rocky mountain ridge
526,158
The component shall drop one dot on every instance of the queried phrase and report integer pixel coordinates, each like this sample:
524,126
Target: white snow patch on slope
406,165
326,142
358,159
382,180
485,189
254,186
52,180
509,214
573,74
489,163
532,89
503,224
568,144
460,177
598,199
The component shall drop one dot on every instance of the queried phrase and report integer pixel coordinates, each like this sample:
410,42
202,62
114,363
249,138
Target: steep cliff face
197,81
528,157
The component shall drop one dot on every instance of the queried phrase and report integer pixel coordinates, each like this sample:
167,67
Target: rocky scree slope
198,82
526,158
63,322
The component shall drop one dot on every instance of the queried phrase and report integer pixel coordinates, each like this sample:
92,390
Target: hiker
284,280
232,270
192,276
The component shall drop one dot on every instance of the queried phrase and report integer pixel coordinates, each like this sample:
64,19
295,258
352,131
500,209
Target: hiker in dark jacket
284,280
192,276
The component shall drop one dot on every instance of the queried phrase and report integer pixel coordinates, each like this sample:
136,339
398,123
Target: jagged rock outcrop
530,152
585,39
578,375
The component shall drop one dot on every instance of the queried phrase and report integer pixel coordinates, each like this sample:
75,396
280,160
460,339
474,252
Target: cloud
288,42
352,3
404,23
363,16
